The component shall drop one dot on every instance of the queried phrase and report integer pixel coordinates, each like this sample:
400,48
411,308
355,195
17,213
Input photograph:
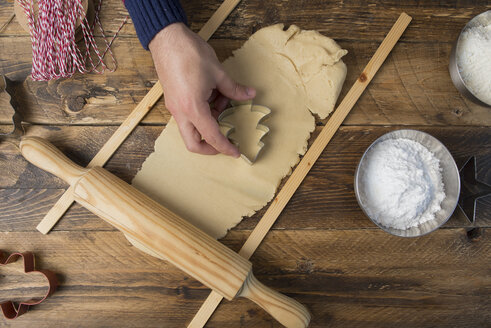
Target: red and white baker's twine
55,53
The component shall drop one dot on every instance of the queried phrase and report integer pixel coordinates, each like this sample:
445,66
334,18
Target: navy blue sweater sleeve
151,16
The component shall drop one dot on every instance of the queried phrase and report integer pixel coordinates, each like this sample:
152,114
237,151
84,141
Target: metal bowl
450,175
454,69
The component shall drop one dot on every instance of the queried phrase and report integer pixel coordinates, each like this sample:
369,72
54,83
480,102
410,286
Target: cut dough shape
295,73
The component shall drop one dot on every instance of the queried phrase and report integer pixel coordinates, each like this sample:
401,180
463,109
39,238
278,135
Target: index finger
192,138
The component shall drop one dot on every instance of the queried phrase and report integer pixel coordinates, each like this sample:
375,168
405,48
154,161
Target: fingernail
250,91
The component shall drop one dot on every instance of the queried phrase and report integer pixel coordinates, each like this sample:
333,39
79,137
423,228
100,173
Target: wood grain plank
82,99
22,209
325,200
412,88
352,20
355,278
365,20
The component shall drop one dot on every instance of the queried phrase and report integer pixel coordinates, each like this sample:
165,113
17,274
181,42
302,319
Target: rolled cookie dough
295,73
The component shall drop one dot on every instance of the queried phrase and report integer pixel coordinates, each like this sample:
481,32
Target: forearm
151,16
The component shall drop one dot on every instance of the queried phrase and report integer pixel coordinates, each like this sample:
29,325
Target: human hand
192,78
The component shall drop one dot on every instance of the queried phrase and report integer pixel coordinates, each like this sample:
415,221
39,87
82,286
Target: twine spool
55,26
21,17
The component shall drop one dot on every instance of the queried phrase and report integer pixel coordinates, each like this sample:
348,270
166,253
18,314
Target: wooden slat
81,144
365,20
341,156
351,20
412,88
347,278
83,99
324,201
22,209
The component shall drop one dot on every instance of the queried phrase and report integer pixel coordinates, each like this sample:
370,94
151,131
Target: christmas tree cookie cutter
230,128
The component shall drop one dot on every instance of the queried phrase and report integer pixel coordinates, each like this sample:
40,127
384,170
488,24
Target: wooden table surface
322,251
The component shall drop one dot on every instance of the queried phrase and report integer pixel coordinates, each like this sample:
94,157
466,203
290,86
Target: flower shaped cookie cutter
9,309
230,128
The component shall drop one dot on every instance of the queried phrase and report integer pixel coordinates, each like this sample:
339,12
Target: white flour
474,58
403,183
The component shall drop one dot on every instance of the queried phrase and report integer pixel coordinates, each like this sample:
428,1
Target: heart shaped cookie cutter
9,309
230,128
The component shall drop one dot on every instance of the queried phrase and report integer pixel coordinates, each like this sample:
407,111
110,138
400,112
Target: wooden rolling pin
164,233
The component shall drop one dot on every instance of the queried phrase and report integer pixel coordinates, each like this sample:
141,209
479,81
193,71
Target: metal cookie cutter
231,128
472,189
17,128
10,311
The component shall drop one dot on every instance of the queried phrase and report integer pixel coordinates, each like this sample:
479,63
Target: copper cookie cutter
230,128
9,309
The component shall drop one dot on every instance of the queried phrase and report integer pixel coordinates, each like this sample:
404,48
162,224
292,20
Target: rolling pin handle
286,310
49,158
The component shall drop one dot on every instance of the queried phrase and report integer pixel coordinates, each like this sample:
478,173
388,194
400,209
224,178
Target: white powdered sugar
474,58
403,183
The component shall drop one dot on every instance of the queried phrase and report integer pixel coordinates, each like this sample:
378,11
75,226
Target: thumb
233,90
